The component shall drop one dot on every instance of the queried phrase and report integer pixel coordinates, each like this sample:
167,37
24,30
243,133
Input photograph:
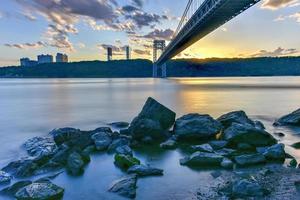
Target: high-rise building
61,58
109,53
45,59
26,62
128,52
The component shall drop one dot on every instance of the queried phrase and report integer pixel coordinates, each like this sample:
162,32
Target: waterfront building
109,53
61,58
128,52
26,62
45,59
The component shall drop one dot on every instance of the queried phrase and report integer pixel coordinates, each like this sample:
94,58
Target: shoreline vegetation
247,162
140,68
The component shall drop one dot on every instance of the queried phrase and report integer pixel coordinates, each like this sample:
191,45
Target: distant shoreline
213,67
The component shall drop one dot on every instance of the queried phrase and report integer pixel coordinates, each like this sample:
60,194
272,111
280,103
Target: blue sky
83,28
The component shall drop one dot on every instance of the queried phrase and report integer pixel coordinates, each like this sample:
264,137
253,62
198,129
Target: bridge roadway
209,16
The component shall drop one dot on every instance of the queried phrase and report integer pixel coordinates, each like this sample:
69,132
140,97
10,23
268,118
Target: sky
84,28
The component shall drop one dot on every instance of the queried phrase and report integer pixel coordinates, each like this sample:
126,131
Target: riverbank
233,142
213,67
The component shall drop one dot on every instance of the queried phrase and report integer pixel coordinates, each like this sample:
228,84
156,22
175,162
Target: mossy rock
125,161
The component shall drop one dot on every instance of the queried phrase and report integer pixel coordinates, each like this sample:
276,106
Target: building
61,58
109,53
45,59
26,62
128,52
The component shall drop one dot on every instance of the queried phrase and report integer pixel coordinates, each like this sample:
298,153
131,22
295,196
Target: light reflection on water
33,107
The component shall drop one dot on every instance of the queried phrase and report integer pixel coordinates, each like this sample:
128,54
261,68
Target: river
33,107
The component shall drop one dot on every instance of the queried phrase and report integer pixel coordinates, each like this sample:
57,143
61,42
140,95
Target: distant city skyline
84,29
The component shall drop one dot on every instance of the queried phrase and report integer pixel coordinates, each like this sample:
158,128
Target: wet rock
259,125
249,159
102,140
153,120
290,119
75,164
13,189
239,117
216,174
147,140
245,133
245,188
90,149
202,159
296,145
39,146
40,191
245,147
126,186
62,135
119,124
275,152
124,150
125,161
293,163
202,148
21,168
123,141
61,156
227,152
279,134
5,178
169,144
143,170
227,163
196,126
218,144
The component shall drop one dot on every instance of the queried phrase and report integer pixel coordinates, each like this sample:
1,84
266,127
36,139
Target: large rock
123,141
39,146
143,170
40,191
13,189
169,144
275,152
75,164
125,161
218,144
235,117
153,120
290,119
126,186
249,159
245,133
124,150
245,188
196,126
202,159
62,135
4,178
21,168
202,148
102,140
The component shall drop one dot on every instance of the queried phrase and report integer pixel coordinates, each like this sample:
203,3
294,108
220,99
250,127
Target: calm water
33,107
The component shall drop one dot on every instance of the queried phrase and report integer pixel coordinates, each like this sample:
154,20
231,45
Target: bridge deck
210,15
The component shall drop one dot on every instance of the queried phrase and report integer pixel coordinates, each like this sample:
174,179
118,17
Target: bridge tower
159,46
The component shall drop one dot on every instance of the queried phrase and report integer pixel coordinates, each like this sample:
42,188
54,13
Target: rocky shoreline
250,160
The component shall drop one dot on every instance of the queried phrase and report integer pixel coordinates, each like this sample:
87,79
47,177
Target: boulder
290,119
196,126
13,189
143,170
202,148
218,144
245,133
75,164
62,135
227,152
125,186
21,168
123,141
61,156
245,188
153,120
40,191
202,159
296,145
293,163
125,161
239,117
244,147
5,178
275,152
39,146
169,144
227,163
249,159
259,125
125,149
102,140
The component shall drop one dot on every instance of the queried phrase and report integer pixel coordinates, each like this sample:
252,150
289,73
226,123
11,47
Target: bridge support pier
157,69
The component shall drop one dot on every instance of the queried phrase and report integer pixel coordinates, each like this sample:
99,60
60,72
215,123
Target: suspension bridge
200,18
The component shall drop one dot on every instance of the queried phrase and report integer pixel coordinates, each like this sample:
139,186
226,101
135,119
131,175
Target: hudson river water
33,107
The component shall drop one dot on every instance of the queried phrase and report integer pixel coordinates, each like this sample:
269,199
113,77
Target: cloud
276,53
142,52
295,16
160,34
38,44
138,3
276,4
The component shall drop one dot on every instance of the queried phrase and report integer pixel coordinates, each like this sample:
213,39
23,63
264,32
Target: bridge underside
211,15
